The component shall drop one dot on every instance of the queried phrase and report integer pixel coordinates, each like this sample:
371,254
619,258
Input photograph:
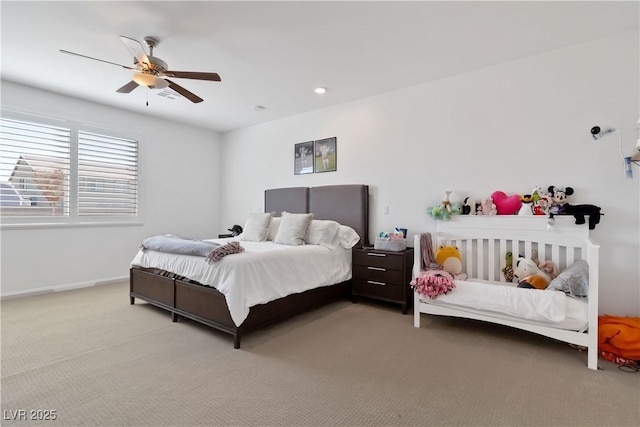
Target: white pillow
347,237
273,228
323,233
293,228
256,229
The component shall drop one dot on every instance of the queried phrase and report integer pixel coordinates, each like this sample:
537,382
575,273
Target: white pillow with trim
293,228
256,229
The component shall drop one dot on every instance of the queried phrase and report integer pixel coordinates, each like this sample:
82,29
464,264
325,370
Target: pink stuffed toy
487,207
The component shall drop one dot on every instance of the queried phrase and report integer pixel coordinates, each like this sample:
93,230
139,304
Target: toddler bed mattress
506,301
263,272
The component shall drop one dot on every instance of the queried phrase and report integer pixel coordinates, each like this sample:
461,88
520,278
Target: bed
483,242
184,297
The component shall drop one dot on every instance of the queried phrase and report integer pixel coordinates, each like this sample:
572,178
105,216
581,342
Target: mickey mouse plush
558,198
560,207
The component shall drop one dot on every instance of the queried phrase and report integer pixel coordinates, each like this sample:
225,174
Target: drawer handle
376,268
373,282
375,254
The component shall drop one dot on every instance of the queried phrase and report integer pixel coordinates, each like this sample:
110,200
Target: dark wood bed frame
347,204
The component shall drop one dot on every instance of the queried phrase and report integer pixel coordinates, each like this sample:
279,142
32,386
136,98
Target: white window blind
59,172
34,169
107,175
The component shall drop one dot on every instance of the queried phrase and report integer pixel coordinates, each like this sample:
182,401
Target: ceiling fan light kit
150,71
150,81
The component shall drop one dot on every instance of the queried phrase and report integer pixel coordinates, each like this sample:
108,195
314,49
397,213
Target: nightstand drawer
376,289
378,274
378,259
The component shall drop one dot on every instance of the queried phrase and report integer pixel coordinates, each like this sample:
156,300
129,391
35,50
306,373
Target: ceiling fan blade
193,75
96,59
128,87
136,49
182,91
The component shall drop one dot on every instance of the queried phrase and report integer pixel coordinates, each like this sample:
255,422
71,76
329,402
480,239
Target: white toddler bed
483,242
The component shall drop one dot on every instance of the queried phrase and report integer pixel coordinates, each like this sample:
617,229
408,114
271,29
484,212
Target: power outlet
385,210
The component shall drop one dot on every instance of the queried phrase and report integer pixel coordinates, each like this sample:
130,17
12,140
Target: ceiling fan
151,71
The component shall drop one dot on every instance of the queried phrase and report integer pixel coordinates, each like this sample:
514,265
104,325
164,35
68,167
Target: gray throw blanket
176,245
169,243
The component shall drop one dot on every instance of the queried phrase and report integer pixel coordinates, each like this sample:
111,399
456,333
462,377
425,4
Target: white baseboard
61,288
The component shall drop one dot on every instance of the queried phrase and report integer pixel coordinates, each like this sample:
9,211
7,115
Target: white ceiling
274,53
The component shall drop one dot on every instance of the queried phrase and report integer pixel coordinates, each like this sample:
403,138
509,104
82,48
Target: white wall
507,127
180,186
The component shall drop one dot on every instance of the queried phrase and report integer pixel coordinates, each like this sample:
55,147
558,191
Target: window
52,171
108,167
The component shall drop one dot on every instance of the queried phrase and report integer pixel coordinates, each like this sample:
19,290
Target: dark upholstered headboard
293,200
346,204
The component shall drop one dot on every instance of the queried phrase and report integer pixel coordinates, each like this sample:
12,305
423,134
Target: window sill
50,225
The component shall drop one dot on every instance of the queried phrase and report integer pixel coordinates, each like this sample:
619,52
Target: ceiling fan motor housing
156,66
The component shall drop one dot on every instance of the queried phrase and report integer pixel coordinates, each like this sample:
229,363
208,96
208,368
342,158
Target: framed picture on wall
303,158
326,156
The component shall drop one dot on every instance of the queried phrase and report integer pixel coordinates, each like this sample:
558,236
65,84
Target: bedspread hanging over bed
264,272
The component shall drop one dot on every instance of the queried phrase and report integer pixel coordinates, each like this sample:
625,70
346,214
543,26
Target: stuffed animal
541,207
527,205
558,198
529,275
537,193
487,207
508,269
470,206
579,212
450,260
550,268
559,206
456,209
506,205
540,199
446,203
436,212
534,257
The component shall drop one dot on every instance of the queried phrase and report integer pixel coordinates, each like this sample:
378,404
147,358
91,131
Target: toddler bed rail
483,242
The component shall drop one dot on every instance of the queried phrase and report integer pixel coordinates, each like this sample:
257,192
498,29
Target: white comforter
264,272
532,304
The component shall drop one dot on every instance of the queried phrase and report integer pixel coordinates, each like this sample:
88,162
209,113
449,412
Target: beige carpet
97,361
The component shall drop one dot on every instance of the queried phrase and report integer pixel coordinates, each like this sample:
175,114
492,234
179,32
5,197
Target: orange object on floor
620,336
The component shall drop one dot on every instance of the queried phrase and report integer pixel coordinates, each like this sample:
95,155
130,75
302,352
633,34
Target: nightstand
383,275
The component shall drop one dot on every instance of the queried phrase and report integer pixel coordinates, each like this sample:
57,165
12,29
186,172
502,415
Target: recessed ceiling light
320,90
259,108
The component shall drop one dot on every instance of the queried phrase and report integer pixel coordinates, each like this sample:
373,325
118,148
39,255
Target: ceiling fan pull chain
147,97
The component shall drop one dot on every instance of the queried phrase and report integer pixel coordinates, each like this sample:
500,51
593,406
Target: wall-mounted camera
597,132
